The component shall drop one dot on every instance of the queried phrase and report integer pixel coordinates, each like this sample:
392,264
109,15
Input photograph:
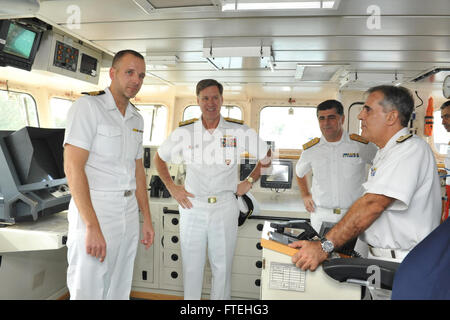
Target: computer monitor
32,181
37,154
280,177
18,44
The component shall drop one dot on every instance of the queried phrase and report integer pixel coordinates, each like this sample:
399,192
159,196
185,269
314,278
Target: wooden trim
288,156
279,247
65,296
154,296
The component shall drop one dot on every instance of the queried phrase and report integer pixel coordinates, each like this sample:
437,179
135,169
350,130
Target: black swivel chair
423,274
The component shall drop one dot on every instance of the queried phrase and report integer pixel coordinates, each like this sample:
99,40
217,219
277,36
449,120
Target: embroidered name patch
350,155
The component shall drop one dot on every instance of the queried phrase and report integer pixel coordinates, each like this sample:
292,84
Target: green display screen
19,41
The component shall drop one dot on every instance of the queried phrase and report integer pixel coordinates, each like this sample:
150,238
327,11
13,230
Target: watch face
327,246
446,87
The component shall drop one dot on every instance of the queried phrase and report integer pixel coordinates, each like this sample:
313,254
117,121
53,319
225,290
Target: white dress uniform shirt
211,159
407,172
114,141
211,172
339,170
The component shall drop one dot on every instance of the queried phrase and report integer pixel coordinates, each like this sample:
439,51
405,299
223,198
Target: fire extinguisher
428,129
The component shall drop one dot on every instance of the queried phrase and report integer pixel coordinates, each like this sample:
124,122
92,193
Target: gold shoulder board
356,137
185,123
404,138
311,143
94,93
234,120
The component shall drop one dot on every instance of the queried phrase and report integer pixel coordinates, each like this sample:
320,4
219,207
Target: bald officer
401,204
103,165
338,164
211,148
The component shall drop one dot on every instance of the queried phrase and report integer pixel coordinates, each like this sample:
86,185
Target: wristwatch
327,245
250,179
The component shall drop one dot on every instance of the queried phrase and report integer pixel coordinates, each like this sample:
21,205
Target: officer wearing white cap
103,164
401,204
338,163
211,148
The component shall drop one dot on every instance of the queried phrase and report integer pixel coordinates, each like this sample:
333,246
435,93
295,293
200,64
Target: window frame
439,156
72,100
223,106
138,105
295,152
34,101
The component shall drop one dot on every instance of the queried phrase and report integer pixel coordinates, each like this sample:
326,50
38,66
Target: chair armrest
345,269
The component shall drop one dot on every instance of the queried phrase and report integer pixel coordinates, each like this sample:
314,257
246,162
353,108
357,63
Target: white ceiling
414,37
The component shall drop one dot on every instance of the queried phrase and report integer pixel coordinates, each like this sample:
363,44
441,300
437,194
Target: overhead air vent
365,80
318,72
160,61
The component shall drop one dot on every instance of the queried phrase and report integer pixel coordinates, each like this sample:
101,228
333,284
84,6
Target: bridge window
227,111
440,135
58,112
155,121
289,127
17,110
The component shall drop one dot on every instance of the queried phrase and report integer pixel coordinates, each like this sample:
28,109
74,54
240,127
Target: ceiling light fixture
145,6
299,70
239,57
254,51
235,5
169,60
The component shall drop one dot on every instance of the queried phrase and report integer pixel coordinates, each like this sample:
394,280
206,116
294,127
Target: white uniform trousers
87,277
213,226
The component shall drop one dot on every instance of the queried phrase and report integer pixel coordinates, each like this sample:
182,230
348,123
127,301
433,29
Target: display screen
19,41
44,166
37,154
88,65
280,176
280,173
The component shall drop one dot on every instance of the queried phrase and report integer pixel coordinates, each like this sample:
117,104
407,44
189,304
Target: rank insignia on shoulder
94,93
311,143
357,137
234,120
185,123
404,138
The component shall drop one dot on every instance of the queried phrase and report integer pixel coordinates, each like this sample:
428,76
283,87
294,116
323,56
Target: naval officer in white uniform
401,204
445,116
103,165
338,163
211,148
